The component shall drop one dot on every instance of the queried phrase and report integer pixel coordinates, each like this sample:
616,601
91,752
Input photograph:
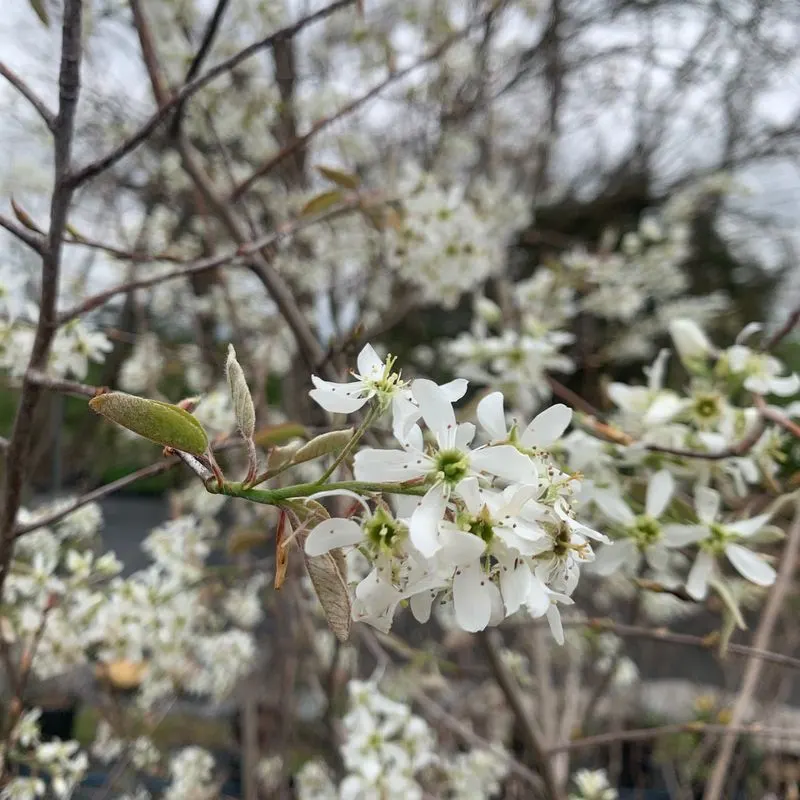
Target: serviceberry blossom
715,538
445,464
638,534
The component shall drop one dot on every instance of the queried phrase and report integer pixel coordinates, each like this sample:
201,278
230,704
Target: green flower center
480,525
706,408
388,382
717,540
451,467
383,531
645,530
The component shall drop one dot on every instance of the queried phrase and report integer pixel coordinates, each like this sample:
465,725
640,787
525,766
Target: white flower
593,785
23,789
544,430
642,534
543,602
644,407
447,465
714,539
762,372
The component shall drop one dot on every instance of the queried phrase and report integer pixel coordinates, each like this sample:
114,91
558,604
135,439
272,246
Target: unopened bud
240,393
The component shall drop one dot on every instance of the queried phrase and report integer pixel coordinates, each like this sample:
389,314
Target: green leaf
322,202
323,444
343,179
162,423
40,9
327,573
281,456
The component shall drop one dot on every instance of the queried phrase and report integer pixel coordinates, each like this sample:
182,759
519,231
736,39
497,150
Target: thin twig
752,672
301,141
710,642
644,734
785,329
47,116
31,239
238,257
508,685
73,388
103,163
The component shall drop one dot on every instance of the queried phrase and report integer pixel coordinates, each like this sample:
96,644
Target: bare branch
23,432
41,109
34,241
241,256
103,163
791,323
769,617
644,734
506,682
72,388
353,105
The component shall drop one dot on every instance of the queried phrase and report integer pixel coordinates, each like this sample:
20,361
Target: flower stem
274,497
371,416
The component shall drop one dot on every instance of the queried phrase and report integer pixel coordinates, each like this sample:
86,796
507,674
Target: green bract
162,423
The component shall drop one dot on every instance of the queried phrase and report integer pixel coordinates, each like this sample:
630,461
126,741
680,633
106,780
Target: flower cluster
390,752
494,530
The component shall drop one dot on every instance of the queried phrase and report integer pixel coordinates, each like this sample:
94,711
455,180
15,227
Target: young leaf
322,202
24,217
281,456
162,423
343,179
243,408
327,573
321,445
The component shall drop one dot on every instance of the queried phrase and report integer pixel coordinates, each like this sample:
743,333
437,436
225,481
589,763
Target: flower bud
690,341
240,393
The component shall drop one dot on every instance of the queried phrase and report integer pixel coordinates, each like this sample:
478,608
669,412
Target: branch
709,642
34,241
353,105
103,163
72,388
238,257
511,692
785,329
205,47
643,734
752,673
23,431
41,109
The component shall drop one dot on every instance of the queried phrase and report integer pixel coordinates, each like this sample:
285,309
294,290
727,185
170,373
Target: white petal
421,605
747,527
389,465
657,370
611,557
332,533
498,612
681,535
663,409
657,557
436,410
707,503
337,403
514,584
623,396
697,582
614,507
554,619
424,523
471,600
547,427
455,390
537,601
492,416
369,363
341,493
659,493
785,386
415,439
750,565
470,493
749,330
405,412
505,461
465,433
459,548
